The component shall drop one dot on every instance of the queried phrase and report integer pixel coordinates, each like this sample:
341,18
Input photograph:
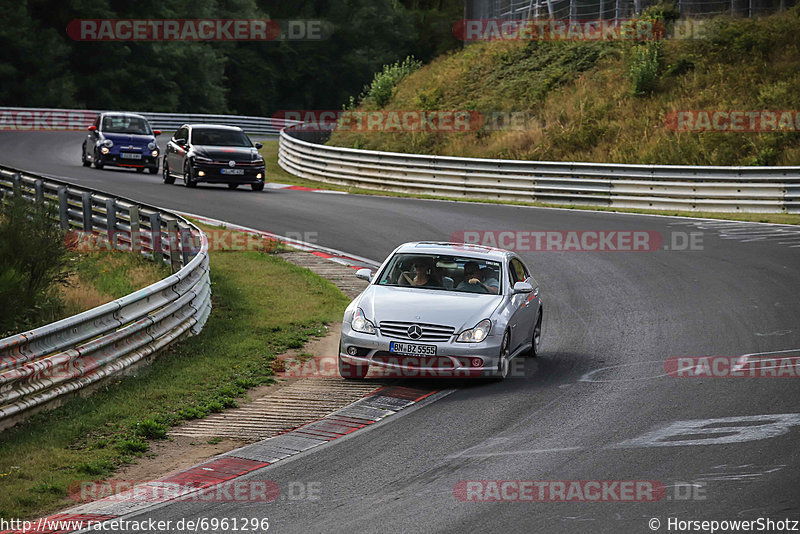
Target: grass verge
262,306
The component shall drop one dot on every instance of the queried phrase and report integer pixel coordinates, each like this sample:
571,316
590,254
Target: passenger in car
424,274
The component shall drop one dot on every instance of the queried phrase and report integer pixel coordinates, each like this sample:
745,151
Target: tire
168,178
233,186
352,372
504,364
188,180
140,170
152,170
98,164
536,337
258,187
85,162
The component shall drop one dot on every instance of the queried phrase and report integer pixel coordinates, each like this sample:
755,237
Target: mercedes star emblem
414,332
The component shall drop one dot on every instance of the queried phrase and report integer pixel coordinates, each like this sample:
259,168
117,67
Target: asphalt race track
596,405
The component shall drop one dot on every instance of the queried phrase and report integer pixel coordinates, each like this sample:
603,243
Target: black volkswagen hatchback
213,154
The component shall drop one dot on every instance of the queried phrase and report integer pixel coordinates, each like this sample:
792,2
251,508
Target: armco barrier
671,187
38,366
42,119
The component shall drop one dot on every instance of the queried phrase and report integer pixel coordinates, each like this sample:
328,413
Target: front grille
430,332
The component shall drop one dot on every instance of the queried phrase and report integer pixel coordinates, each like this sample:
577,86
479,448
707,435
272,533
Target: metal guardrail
672,187
39,366
172,121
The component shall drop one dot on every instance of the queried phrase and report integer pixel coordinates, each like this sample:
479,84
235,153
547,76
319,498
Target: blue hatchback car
121,140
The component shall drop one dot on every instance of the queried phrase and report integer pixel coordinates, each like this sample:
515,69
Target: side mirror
156,132
92,128
364,274
259,145
180,142
522,287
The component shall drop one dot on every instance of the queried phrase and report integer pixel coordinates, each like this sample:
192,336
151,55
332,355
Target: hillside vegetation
607,101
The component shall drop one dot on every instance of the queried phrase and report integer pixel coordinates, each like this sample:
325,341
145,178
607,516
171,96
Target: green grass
607,101
262,306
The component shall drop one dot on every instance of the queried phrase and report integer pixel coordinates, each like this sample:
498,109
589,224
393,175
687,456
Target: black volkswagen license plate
238,172
412,349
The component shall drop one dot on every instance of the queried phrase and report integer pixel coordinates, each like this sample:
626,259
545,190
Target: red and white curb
343,258
378,405
273,185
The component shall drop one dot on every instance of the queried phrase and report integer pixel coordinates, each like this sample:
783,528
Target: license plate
130,155
232,171
412,349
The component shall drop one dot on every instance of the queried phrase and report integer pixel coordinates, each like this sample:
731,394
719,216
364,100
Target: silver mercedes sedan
441,310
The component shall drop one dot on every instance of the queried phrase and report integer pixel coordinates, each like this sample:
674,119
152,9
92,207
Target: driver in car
473,280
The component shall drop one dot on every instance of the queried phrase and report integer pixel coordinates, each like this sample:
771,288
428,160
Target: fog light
476,362
258,176
155,153
104,150
201,173
352,351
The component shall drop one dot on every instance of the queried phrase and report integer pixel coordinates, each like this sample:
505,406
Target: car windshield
219,137
125,124
443,272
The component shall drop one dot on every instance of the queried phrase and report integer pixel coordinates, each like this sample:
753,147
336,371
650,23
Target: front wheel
505,351
152,170
188,176
258,187
351,372
168,178
98,163
536,338
84,161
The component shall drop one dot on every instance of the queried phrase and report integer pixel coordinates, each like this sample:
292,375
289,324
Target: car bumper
213,174
118,161
452,360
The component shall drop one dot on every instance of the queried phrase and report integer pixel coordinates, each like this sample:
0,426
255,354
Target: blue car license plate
413,349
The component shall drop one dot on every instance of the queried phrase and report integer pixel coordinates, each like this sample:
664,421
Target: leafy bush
645,62
383,84
33,262
151,429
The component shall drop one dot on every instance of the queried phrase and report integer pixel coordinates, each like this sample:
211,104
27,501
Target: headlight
201,159
108,142
258,160
476,334
104,150
151,145
361,324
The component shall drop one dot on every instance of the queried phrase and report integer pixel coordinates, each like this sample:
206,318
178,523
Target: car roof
123,114
460,249
214,126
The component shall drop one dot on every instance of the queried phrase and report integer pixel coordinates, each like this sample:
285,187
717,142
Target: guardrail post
63,207
172,239
155,233
38,188
86,202
111,222
186,236
16,179
136,237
